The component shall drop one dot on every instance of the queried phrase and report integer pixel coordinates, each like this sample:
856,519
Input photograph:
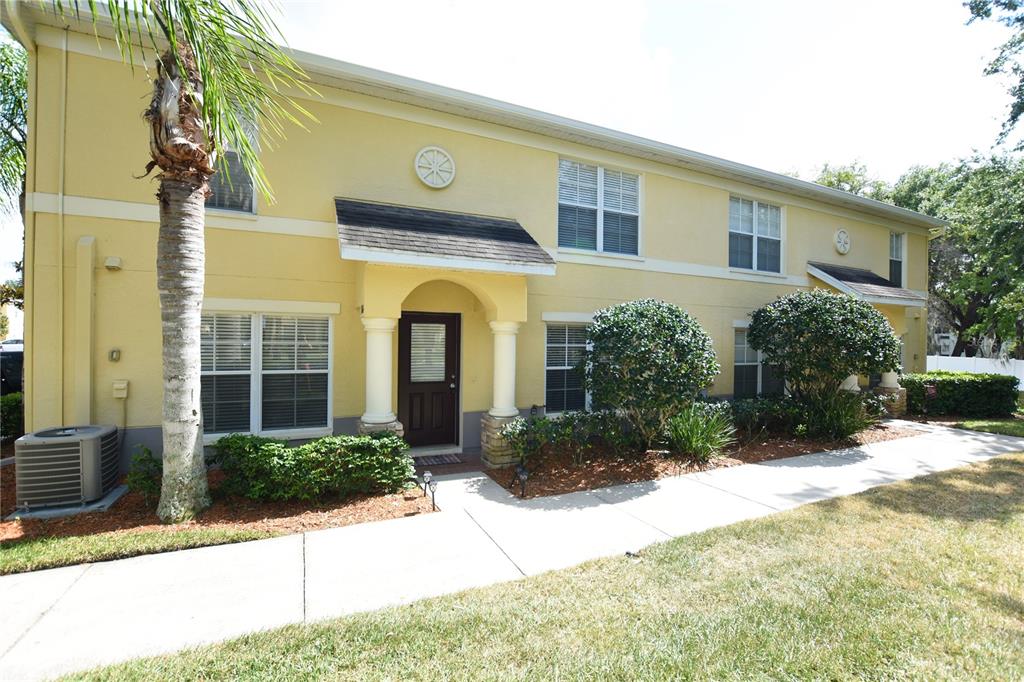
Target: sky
786,85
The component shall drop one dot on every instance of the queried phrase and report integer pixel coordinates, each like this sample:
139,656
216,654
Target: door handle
451,385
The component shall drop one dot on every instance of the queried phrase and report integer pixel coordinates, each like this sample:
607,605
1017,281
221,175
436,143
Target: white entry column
496,450
851,384
379,416
504,402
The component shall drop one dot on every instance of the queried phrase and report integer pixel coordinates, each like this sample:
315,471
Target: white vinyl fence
1013,368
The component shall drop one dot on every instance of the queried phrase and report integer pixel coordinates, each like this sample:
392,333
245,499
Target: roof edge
345,75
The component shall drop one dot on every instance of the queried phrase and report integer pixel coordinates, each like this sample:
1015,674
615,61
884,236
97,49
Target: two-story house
430,263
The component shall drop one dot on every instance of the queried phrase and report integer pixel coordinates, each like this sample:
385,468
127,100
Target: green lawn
920,579
1012,426
50,552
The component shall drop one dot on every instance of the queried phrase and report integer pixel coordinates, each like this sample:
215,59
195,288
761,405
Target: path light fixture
433,490
427,478
521,475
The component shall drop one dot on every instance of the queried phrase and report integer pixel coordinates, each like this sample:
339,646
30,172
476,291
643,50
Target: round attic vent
435,167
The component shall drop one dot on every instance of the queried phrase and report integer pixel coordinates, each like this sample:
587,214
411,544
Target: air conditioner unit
70,465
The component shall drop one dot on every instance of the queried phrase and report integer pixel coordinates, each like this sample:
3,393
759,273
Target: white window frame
743,327
781,238
253,130
902,236
586,393
256,377
601,209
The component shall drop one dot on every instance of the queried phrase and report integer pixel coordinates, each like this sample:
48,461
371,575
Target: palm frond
13,128
245,71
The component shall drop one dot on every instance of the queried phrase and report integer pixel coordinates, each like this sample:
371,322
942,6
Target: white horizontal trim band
89,207
678,268
585,318
255,305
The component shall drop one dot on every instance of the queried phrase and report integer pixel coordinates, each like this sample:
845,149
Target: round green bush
647,359
817,338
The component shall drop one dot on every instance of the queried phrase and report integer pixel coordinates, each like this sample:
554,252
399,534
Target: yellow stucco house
430,264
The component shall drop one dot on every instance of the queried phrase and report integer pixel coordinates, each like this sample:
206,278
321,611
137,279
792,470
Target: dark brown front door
428,377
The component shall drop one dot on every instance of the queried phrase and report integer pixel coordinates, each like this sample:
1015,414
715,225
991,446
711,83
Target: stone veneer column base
495,450
895,400
394,427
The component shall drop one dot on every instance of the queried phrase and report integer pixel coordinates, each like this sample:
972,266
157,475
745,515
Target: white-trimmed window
265,373
755,235
563,378
896,258
751,377
231,187
598,208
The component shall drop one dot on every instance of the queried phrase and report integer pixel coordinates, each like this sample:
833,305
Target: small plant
527,437
12,417
837,415
144,475
702,431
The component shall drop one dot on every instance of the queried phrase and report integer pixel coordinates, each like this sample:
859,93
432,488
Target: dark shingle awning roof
864,284
407,235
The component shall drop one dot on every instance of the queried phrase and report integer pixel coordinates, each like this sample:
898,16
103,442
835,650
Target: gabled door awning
407,235
865,285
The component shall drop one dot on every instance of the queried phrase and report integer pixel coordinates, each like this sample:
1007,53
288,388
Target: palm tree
219,69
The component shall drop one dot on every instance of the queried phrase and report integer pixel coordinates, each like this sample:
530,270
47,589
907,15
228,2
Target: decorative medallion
842,241
435,167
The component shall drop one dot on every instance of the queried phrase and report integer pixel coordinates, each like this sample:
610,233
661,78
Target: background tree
648,360
218,70
1009,60
13,142
852,178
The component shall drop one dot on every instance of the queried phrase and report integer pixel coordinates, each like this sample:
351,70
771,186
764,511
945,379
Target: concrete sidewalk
73,618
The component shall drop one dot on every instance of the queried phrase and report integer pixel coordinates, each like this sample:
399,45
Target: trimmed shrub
145,475
815,340
777,414
701,431
577,432
960,393
12,417
648,360
267,469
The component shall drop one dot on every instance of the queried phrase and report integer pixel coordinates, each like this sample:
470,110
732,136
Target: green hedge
267,469
12,416
960,393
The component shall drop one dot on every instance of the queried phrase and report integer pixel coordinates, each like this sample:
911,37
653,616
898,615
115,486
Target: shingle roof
865,282
421,231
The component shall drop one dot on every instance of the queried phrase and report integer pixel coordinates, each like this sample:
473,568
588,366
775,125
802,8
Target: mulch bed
131,515
554,473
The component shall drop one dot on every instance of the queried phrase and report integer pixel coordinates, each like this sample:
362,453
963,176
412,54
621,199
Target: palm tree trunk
178,147
180,271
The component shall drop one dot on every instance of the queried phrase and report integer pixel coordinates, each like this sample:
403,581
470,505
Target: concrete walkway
73,618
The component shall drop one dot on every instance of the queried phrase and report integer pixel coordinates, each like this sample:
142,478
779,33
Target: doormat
435,460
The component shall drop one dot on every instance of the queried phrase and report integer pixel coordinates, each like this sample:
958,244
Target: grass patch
919,579
1013,426
51,552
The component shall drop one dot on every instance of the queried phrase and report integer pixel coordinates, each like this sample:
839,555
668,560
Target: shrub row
267,469
12,416
579,432
960,393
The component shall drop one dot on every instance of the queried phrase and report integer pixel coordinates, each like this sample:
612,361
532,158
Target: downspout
60,225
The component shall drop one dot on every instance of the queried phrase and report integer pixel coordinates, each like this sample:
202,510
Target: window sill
599,254
228,213
284,434
759,273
